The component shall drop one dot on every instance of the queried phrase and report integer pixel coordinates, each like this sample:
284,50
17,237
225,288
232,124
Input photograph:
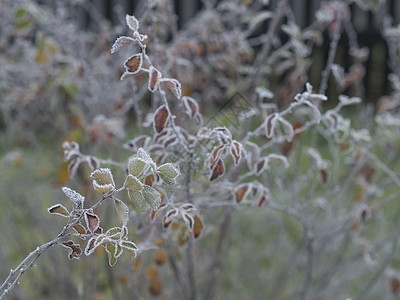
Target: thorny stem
9,283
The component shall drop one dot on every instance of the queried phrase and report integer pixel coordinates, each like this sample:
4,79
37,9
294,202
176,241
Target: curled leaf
129,246
197,227
154,79
59,209
218,170
174,86
105,176
75,250
240,192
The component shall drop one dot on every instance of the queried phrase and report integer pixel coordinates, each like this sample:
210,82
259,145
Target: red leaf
160,118
218,170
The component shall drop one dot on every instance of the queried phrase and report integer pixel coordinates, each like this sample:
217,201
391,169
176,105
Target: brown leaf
394,285
92,222
121,42
133,63
261,201
218,170
324,175
154,78
160,118
197,227
79,229
240,192
59,209
174,86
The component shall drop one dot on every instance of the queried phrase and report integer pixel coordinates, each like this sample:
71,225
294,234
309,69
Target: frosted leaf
138,200
152,197
92,222
137,166
154,79
121,42
132,183
76,198
270,124
237,151
218,170
110,249
191,106
314,110
168,173
174,86
134,63
59,209
189,221
171,215
129,246
288,128
132,22
74,249
141,153
104,175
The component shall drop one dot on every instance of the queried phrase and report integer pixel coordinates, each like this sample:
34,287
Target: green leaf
168,173
137,199
122,211
132,183
130,246
152,197
146,157
137,166
118,250
111,249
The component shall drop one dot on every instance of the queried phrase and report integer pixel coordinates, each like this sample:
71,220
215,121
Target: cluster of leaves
294,161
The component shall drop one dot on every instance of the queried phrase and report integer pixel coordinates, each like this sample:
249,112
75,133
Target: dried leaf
59,209
91,246
92,222
79,229
75,250
288,128
270,124
189,221
121,42
134,63
218,170
154,79
240,192
174,86
237,151
160,118
197,227
73,166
